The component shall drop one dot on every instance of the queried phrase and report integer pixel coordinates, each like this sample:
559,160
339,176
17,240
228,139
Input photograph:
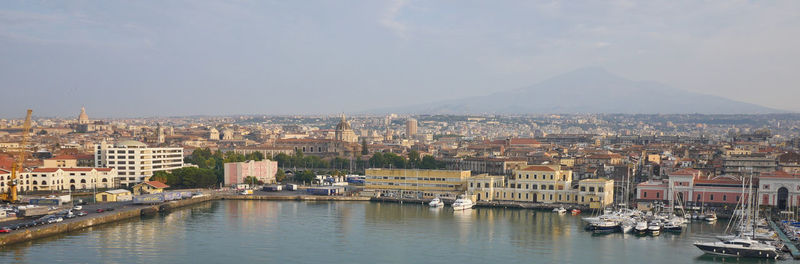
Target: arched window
72,181
83,180
35,183
44,182
105,180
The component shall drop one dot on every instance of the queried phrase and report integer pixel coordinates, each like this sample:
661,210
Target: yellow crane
16,168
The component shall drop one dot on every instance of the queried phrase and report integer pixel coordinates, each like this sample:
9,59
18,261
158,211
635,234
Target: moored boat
641,227
739,247
560,210
654,228
462,203
436,202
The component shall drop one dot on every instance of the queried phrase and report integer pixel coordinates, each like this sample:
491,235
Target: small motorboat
436,202
560,210
576,211
654,228
641,227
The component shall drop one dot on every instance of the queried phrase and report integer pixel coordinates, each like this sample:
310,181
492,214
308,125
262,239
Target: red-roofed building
690,187
148,187
57,179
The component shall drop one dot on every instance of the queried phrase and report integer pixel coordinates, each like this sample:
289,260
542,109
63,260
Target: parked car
5,229
110,209
100,210
81,213
77,207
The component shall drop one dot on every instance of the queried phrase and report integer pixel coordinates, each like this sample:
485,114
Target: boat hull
737,252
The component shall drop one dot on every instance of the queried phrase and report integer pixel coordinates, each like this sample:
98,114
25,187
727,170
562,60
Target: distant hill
590,90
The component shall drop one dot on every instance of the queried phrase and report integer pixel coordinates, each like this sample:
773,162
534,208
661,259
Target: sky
174,58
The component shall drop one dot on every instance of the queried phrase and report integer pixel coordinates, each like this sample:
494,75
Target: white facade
135,162
56,179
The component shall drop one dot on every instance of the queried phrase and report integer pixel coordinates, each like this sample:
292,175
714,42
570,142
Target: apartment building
417,183
135,162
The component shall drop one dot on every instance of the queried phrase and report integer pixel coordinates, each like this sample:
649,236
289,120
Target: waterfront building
57,179
691,188
779,189
417,183
149,187
236,172
118,195
544,184
135,162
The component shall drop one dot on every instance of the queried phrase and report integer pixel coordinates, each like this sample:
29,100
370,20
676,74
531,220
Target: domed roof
343,125
130,143
83,117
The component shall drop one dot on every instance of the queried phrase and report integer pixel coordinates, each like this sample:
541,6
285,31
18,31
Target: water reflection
358,232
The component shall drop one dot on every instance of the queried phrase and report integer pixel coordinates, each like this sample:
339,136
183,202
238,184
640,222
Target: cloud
389,18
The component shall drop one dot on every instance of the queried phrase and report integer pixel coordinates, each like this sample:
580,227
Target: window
737,198
711,197
658,195
698,197
535,186
551,187
527,176
486,185
766,186
551,197
583,188
551,176
591,189
644,194
724,197
599,189
470,185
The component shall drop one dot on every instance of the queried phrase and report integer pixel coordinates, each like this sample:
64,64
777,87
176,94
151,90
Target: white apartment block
134,161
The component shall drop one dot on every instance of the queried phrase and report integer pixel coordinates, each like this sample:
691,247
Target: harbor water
360,232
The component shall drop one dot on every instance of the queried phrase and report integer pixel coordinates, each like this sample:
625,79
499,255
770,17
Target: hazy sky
143,58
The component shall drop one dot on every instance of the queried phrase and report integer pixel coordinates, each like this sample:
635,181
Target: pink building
691,187
236,172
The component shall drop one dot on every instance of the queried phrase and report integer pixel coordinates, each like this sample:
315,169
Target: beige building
344,132
544,184
417,183
56,179
118,195
61,161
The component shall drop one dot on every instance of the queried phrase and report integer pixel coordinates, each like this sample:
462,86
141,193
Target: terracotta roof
156,184
688,171
778,175
103,169
45,169
523,141
538,168
77,169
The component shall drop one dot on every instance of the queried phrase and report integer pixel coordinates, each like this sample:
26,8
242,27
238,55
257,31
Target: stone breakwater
23,235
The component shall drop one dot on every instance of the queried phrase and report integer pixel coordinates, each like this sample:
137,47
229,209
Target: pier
786,241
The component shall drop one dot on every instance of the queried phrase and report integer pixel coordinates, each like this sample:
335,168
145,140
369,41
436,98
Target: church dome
343,125
83,118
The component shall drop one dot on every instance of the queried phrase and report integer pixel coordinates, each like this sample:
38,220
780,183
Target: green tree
280,176
364,149
305,176
257,156
428,162
413,158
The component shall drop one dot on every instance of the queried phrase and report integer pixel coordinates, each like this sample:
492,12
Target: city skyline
210,58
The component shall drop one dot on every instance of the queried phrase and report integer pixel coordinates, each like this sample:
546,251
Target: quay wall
23,235
294,198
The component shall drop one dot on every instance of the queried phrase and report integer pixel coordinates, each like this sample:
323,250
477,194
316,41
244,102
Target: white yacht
462,203
560,210
641,227
739,247
436,202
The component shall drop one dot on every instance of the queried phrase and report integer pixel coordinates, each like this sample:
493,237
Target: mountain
590,90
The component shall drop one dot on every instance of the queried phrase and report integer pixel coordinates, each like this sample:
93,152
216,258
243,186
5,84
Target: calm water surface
358,232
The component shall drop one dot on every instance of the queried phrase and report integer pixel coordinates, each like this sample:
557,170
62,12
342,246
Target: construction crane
16,167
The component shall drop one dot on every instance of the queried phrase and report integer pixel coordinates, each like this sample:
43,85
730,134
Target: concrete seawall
294,198
23,235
